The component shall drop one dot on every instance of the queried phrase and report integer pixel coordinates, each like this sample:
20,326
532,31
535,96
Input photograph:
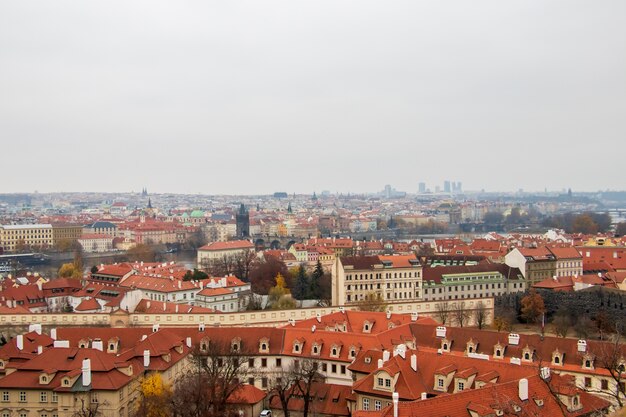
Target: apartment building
13,237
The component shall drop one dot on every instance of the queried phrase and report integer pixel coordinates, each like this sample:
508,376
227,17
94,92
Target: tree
584,224
561,324
215,374
278,298
87,408
442,312
501,323
141,253
155,397
532,307
372,302
611,357
69,270
584,327
493,217
194,275
195,239
460,313
480,315
316,277
620,229
263,272
300,290
78,258
295,382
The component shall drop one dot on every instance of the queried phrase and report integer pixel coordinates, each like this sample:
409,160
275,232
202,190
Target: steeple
289,210
149,203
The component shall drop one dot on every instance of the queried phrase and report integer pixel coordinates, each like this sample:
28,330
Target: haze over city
251,97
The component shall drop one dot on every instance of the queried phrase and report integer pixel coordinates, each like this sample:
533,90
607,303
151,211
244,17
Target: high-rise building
422,187
446,186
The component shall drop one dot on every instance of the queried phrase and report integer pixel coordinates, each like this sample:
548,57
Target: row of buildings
366,363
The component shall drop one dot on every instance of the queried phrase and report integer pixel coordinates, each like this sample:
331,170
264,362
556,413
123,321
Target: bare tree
612,357
442,311
216,373
461,313
306,376
561,325
480,315
89,405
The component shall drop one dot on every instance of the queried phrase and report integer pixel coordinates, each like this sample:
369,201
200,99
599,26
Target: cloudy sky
231,97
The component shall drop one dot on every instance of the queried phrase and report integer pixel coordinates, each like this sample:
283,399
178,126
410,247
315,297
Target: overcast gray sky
229,97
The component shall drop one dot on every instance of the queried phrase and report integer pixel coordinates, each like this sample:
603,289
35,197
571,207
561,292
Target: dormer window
66,382
236,345
264,345
471,346
527,354
368,359
367,326
498,351
445,345
334,351
44,379
557,358
352,353
297,346
204,344
316,350
587,363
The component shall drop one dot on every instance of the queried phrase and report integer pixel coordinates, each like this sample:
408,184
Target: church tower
243,222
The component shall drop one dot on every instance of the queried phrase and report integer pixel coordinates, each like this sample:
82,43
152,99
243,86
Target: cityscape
312,209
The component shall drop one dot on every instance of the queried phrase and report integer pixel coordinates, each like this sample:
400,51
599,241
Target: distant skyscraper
446,187
422,187
243,222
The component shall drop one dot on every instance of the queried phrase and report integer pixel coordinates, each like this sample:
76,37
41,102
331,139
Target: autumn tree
278,297
501,323
442,312
263,272
69,270
532,307
155,398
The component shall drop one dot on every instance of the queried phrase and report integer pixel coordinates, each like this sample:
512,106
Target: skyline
249,98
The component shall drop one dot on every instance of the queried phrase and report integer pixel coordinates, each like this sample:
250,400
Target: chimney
180,285
388,314
386,355
523,389
39,350
155,327
146,358
545,373
188,342
201,284
318,316
342,310
39,286
164,308
313,329
414,316
86,372
34,328
582,345
414,362
53,334
380,363
144,337
61,344
201,327
148,304
424,396
19,340
176,308
98,345
396,398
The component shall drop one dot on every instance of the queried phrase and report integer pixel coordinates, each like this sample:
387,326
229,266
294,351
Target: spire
149,203
289,210
242,209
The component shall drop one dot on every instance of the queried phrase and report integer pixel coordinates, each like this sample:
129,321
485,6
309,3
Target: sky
253,97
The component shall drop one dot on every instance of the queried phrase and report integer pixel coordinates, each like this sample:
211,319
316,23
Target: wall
245,318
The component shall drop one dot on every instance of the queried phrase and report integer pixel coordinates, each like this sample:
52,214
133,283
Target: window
388,383
264,362
251,381
333,368
279,362
587,382
264,382
324,367
605,384
440,382
55,396
43,397
94,397
461,386
5,396
380,382
366,404
377,405
343,369
251,363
